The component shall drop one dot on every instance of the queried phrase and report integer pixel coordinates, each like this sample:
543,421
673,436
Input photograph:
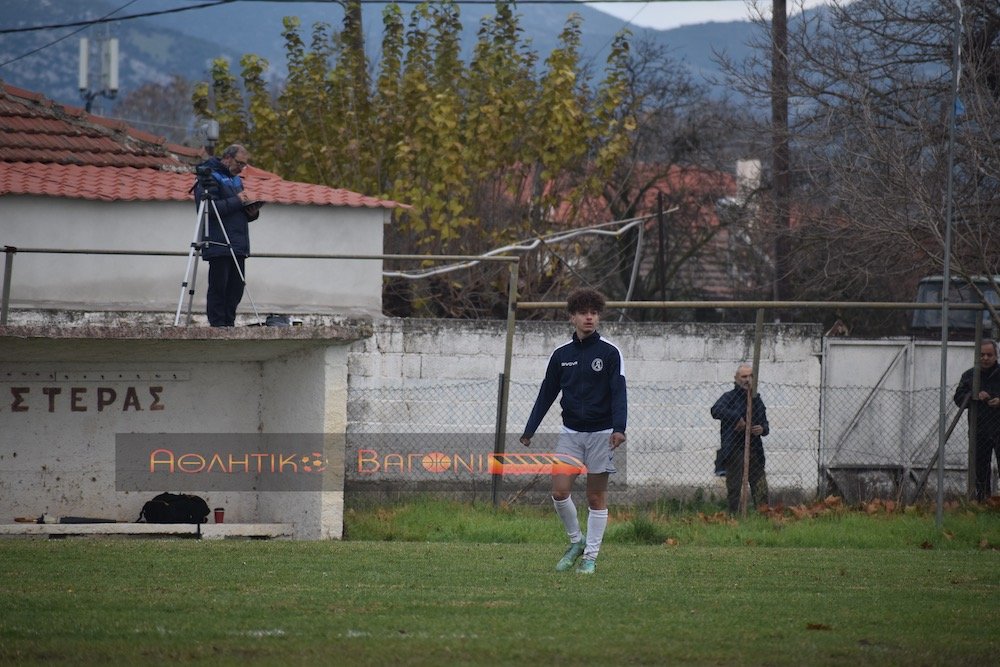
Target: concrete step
209,531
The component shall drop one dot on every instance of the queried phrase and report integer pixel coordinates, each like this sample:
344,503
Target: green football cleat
574,551
587,566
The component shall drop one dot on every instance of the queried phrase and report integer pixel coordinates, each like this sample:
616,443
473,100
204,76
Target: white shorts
594,449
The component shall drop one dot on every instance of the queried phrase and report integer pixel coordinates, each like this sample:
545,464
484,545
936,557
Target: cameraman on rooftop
219,179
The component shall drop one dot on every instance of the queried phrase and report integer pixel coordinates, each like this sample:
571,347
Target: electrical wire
66,36
106,18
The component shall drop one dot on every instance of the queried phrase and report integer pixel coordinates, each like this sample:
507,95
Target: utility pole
780,151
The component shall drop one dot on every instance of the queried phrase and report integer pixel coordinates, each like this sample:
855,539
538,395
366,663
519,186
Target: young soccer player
590,373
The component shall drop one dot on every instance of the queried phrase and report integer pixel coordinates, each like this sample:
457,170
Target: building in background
71,180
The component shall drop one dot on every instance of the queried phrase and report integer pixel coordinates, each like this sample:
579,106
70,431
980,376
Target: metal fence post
498,444
8,269
758,333
504,389
970,479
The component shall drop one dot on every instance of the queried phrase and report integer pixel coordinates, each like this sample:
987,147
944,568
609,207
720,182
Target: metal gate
879,411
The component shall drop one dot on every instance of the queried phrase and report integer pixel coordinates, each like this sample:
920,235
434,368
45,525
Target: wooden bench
206,531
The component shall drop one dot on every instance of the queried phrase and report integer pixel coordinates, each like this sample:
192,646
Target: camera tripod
199,241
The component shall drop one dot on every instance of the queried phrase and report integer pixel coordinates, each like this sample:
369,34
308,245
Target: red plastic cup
220,514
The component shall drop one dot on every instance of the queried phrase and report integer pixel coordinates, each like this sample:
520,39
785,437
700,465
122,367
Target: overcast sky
664,14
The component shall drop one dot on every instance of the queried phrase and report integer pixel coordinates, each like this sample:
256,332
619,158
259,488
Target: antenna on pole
84,64
108,51
109,66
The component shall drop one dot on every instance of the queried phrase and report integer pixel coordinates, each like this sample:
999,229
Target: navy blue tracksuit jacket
231,211
729,409
590,374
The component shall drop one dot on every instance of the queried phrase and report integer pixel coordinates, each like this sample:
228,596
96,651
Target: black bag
278,321
174,508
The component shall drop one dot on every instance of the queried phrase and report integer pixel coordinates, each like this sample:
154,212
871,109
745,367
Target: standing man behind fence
226,269
987,406
731,411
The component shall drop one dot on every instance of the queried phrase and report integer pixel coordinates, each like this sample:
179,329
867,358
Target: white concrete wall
413,352
58,458
411,377
57,441
307,393
425,376
103,282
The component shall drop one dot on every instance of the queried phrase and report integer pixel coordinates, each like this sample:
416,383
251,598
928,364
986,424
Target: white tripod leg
191,266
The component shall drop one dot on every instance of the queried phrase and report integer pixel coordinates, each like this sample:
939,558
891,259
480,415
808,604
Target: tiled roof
96,183
55,150
272,188
37,130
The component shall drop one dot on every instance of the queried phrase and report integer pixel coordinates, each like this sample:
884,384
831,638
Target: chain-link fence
883,443
855,441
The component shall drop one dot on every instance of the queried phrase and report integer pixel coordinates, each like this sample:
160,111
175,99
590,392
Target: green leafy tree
498,129
264,134
388,112
311,117
484,153
432,176
222,100
561,118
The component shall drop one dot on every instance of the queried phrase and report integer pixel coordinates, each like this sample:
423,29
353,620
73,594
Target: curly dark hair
585,299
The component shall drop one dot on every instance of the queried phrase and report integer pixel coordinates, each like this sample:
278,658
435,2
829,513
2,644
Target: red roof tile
54,150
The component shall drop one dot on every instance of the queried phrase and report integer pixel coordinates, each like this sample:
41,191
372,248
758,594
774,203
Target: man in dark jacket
987,406
731,411
589,372
226,269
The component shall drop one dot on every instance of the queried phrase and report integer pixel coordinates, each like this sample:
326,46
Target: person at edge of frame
987,415
225,285
731,411
589,372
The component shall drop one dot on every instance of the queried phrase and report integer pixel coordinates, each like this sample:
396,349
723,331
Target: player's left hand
616,439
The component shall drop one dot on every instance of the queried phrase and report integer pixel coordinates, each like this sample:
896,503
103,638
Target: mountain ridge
156,48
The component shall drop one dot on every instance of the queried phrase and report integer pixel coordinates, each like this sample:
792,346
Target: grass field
476,586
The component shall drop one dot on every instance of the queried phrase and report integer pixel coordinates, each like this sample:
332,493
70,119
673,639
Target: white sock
567,512
597,521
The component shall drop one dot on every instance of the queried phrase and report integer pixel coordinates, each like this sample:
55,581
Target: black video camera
207,182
